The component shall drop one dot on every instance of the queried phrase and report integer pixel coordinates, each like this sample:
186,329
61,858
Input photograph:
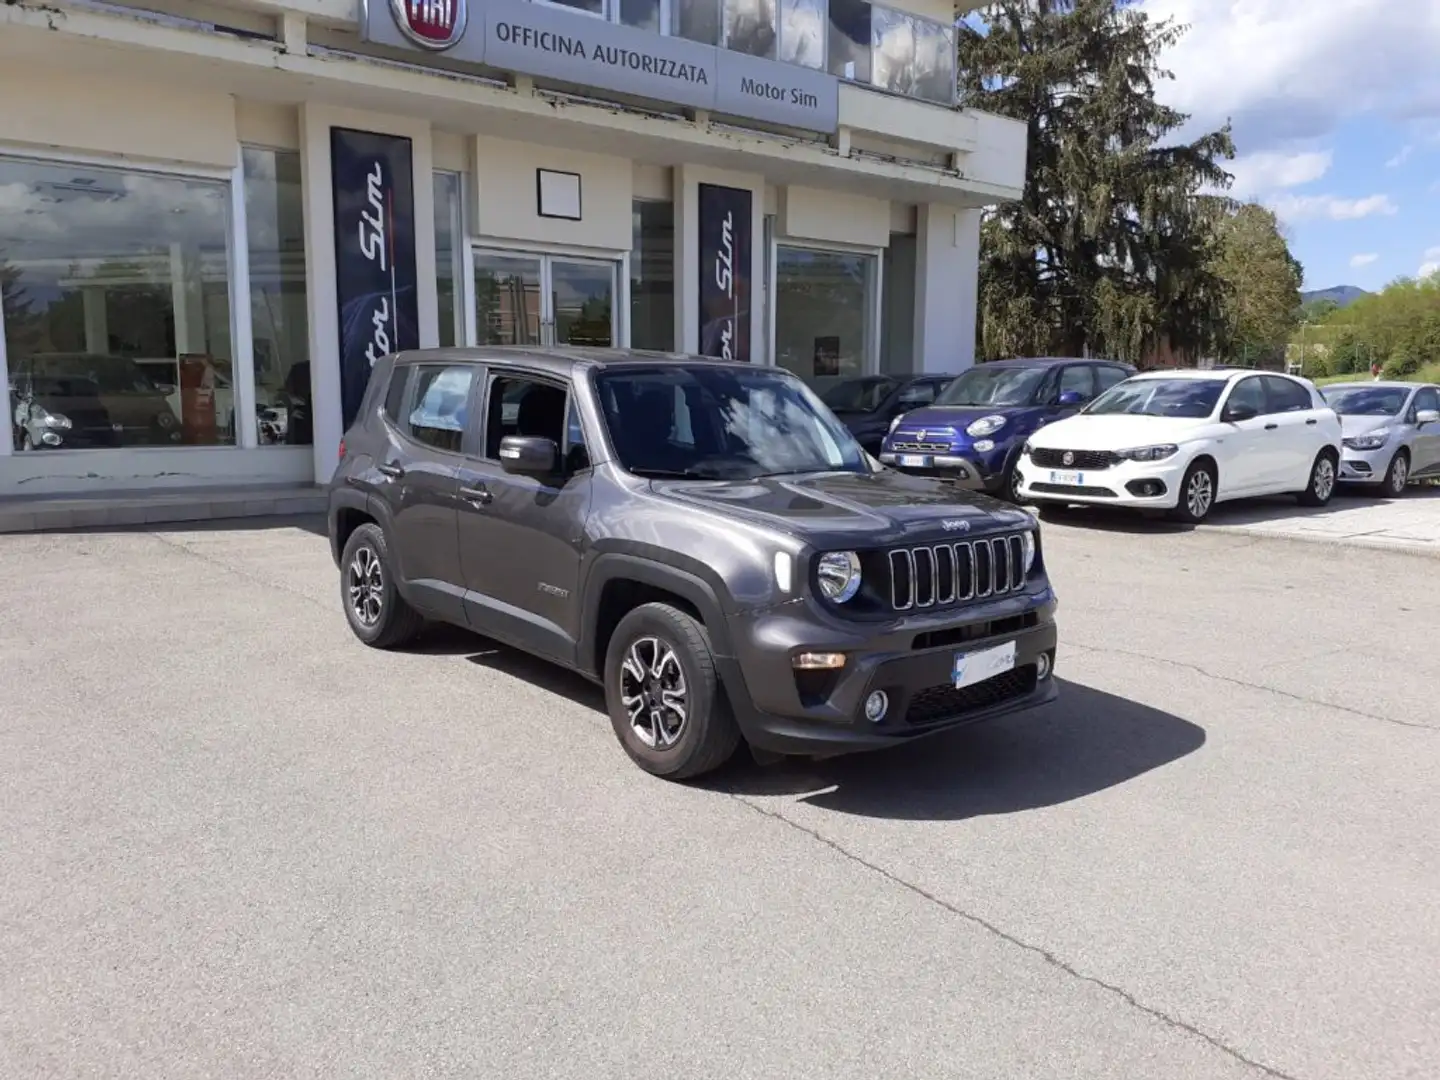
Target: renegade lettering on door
375,273
725,272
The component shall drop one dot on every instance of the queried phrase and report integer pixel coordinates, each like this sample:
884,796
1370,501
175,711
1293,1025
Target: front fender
709,598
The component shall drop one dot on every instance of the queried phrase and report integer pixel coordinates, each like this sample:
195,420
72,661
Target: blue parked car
976,427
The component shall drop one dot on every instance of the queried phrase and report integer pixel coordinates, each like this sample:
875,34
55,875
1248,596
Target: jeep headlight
986,425
1371,440
839,575
1150,453
1027,544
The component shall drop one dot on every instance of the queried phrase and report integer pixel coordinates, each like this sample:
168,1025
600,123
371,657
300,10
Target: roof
1371,384
1207,374
1048,361
557,360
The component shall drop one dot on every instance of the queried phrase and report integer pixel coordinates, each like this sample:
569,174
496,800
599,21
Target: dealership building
213,215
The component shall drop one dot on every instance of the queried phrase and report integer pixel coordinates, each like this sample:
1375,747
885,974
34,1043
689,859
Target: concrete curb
1369,543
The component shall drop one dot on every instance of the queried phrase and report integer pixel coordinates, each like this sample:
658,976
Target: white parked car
1181,441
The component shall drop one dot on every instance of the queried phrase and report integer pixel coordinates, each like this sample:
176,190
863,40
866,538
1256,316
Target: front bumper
968,472
820,714
1136,484
1365,466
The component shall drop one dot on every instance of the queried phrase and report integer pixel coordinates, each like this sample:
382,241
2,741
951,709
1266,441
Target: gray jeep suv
704,539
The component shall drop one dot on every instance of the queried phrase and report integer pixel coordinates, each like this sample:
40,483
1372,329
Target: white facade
184,94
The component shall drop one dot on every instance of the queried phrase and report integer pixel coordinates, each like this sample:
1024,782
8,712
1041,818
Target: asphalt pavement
235,843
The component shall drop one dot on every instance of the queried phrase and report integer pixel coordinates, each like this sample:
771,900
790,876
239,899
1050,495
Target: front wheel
1397,477
1321,488
1197,494
664,696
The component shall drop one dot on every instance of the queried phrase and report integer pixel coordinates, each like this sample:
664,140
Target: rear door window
1286,396
439,404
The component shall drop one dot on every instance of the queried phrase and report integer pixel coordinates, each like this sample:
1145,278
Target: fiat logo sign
431,24
1068,459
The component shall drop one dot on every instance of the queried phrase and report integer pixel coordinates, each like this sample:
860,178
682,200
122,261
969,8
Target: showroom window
449,228
825,304
652,276
279,316
116,308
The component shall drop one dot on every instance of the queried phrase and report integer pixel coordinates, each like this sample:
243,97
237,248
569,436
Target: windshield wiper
678,474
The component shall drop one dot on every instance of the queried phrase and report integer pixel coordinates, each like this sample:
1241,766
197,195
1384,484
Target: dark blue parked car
974,431
868,403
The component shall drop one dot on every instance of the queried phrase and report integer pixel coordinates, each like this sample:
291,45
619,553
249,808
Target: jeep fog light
875,706
1043,666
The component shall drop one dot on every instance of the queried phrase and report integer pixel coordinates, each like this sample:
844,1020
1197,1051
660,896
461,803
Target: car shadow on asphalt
1080,745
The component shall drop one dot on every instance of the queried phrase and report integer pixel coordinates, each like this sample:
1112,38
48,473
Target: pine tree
1111,249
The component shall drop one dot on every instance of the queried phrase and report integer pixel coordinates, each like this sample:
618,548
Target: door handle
476,495
1271,427
1311,422
390,469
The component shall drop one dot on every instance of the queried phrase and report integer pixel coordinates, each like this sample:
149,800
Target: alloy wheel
1399,476
1199,494
365,584
1324,479
653,693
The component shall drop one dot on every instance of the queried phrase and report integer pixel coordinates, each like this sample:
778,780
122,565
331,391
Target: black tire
395,622
1009,488
707,735
1397,476
1196,497
1324,478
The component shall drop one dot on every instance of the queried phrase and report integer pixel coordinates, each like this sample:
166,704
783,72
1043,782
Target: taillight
342,449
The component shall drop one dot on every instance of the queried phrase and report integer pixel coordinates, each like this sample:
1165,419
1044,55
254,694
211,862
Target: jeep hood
865,509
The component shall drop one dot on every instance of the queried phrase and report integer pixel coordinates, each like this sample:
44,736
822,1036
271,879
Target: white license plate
1068,479
916,461
976,667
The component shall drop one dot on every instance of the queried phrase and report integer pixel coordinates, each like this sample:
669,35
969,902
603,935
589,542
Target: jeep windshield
719,423
994,385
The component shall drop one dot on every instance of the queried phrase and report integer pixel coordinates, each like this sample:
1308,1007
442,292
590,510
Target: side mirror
1427,416
1071,397
1240,411
528,455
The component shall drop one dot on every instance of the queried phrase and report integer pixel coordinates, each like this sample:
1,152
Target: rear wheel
1397,477
1197,493
374,608
664,696
1321,488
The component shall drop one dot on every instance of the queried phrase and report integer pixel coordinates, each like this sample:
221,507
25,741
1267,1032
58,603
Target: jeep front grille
931,575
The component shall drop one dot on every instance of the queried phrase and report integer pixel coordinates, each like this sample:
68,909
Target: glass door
582,302
508,308
523,299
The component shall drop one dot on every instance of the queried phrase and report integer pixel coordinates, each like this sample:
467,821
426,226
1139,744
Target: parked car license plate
976,667
1068,479
916,461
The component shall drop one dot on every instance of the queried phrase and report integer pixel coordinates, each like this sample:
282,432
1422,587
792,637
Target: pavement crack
230,568
1046,955
1231,680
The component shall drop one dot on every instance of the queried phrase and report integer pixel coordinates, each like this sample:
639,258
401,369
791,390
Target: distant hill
1342,295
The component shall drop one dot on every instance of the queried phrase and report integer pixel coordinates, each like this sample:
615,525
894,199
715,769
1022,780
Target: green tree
1398,328
1261,282
1110,247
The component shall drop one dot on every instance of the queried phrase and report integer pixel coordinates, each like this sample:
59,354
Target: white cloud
1259,174
1293,208
1288,70
1400,158
1357,261
1431,265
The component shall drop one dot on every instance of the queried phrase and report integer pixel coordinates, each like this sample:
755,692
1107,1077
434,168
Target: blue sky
1336,113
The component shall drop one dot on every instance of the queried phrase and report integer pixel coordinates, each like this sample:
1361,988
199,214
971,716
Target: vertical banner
373,184
725,272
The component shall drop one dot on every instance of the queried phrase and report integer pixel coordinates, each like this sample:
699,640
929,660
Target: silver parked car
1392,432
